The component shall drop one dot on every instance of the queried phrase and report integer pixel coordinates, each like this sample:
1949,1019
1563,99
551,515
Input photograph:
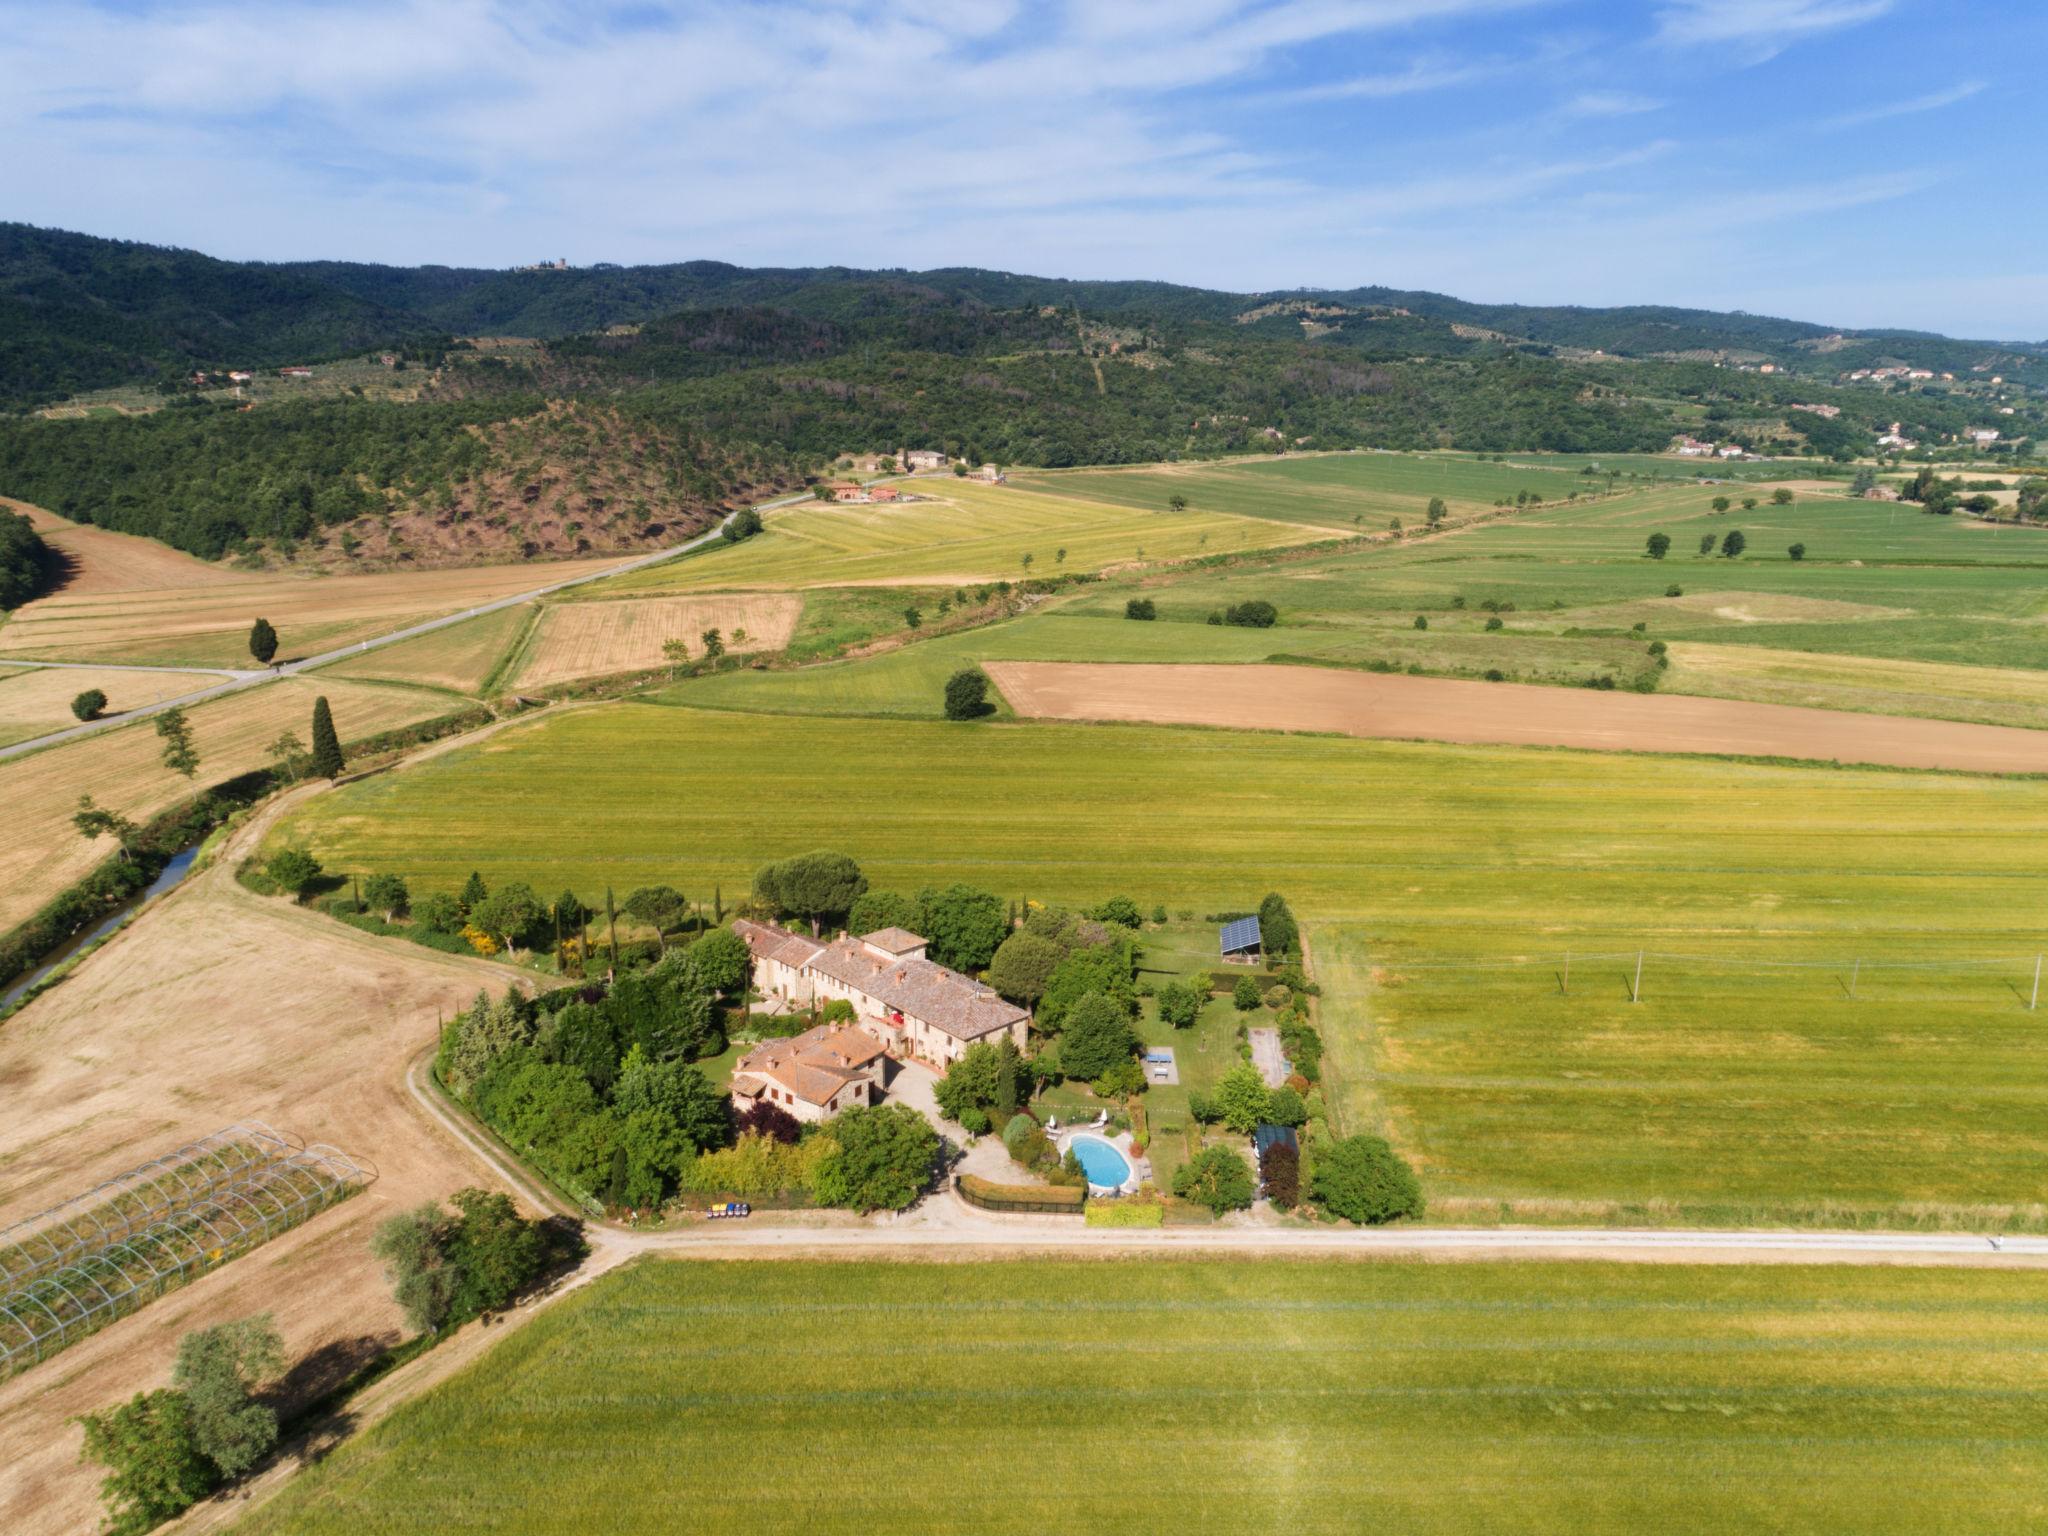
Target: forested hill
79,313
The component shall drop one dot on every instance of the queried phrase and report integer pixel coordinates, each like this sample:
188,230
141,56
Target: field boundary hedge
1021,1199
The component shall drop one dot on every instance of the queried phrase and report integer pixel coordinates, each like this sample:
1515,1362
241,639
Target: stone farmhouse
913,1008
814,1075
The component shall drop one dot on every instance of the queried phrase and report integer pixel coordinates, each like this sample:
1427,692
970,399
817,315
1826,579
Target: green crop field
1335,490
1219,1397
969,532
1465,873
461,657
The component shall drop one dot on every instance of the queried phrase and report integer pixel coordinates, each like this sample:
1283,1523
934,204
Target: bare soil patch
1443,709
591,639
218,1005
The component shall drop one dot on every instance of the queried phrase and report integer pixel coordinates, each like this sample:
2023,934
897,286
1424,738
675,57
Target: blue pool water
1106,1167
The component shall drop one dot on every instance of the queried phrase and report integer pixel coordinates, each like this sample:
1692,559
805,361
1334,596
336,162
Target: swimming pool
1108,1170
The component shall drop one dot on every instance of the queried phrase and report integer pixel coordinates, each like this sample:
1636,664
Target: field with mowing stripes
40,853
37,701
460,658
1219,1397
208,625
1346,490
967,533
1465,873
591,639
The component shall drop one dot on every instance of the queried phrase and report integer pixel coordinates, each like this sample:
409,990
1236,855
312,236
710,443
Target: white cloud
1764,27
1933,101
1608,104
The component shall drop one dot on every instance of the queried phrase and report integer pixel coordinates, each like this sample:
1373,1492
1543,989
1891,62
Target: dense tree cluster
26,562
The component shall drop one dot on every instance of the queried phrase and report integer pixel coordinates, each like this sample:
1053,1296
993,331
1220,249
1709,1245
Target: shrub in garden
1276,996
1285,1107
1216,1177
1245,995
1280,1172
1180,1003
1241,1098
1364,1180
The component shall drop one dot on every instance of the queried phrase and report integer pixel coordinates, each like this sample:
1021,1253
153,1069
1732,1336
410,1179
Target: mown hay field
1750,1082
461,657
1353,491
37,700
1309,1396
966,532
94,560
122,768
591,639
208,625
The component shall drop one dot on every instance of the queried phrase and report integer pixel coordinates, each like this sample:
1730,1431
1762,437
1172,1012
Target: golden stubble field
37,700
590,639
115,615
218,1005
123,770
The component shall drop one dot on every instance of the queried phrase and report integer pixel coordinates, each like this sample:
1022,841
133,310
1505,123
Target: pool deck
1140,1166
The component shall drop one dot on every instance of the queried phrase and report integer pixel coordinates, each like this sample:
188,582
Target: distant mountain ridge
78,313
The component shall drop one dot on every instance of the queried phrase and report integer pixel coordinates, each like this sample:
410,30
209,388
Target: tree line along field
1466,872
966,532
41,853
1308,1396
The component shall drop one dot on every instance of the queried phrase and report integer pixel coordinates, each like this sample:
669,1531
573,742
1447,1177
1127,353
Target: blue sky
1857,162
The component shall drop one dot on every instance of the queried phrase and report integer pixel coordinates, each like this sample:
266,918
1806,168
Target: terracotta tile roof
897,941
813,1065
923,989
765,941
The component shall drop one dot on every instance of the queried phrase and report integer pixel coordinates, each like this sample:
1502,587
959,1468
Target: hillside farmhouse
913,1008
924,458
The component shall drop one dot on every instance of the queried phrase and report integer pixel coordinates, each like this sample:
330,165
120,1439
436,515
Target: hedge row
1048,1199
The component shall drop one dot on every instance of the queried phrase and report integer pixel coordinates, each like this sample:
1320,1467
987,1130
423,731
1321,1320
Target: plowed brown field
1445,709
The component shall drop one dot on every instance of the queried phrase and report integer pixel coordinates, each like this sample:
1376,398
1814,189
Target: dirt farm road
1394,706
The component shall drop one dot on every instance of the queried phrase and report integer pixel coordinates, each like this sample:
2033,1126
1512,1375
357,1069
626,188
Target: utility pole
2034,1001
1855,969
1567,973
1636,992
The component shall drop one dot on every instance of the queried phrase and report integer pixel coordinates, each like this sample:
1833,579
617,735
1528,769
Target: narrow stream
173,872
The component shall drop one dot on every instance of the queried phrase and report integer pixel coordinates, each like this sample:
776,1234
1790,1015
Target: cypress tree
327,758
262,641
473,893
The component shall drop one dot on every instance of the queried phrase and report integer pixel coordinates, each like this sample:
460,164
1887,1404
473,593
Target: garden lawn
1746,1084
1206,1396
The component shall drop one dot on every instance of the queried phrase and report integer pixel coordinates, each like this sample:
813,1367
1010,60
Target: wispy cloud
1762,27
1933,101
1608,104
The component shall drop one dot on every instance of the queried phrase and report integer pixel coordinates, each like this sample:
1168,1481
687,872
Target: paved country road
236,681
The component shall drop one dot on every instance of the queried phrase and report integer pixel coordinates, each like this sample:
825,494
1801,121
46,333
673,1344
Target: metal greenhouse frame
77,1266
